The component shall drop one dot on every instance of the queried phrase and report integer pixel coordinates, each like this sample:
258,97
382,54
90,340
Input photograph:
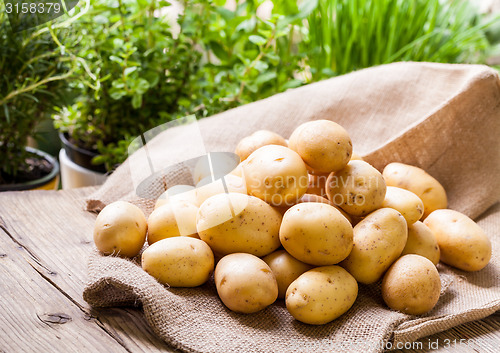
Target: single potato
321,295
358,189
316,233
416,180
233,222
172,220
404,201
378,240
422,241
462,242
286,268
120,229
179,261
256,140
325,146
245,283
276,174
411,285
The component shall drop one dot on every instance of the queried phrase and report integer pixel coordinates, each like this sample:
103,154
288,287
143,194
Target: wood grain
36,317
55,235
45,239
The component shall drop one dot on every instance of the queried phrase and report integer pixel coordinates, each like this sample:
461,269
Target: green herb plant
133,75
245,57
33,73
346,35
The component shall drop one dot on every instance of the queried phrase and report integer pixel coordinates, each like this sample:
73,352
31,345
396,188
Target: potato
378,240
256,140
358,189
411,285
404,201
325,146
207,188
317,185
316,233
276,174
422,241
316,198
416,180
177,193
234,222
179,261
462,242
321,295
286,269
120,229
245,283
172,220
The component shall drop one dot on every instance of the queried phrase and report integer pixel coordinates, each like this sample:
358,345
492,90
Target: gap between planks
36,222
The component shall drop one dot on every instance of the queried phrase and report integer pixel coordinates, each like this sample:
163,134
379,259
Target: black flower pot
47,182
80,156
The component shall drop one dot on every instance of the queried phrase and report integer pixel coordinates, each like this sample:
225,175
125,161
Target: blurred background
81,87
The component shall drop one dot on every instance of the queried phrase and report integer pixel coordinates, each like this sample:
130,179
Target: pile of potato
305,220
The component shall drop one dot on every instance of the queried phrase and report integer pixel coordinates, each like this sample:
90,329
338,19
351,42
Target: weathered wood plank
36,317
56,235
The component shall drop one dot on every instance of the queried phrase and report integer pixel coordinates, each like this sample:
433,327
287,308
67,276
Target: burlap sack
443,118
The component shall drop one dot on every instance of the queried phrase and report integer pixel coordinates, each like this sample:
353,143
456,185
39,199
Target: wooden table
45,238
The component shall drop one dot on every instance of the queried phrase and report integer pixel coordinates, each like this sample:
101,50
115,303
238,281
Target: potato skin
245,283
276,174
286,268
259,138
378,240
422,241
418,181
321,295
324,146
233,222
120,229
316,198
179,261
411,285
462,242
172,220
358,188
404,201
316,233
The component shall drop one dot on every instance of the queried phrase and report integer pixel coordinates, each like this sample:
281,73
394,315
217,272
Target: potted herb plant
133,74
32,83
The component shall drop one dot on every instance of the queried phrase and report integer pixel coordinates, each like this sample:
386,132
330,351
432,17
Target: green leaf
261,66
137,101
265,77
258,40
291,84
247,25
219,51
129,70
140,86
